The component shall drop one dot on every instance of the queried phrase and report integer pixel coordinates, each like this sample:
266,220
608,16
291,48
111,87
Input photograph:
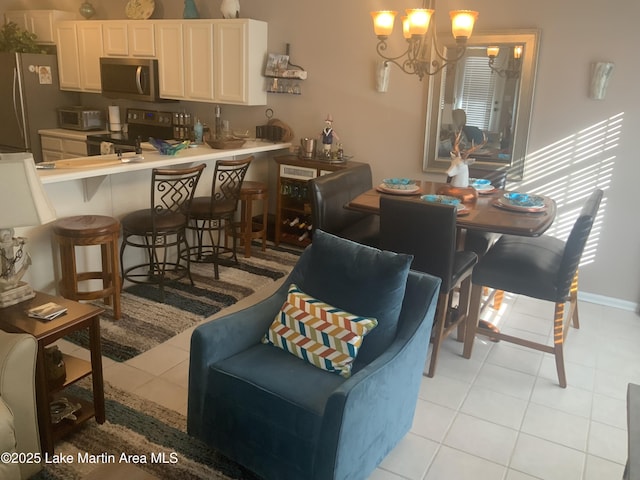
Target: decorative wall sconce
383,67
600,74
512,69
415,28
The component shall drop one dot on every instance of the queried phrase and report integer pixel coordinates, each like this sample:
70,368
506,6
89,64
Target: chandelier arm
382,46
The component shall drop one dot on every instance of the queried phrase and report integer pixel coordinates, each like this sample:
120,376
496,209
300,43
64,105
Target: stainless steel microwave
130,78
81,118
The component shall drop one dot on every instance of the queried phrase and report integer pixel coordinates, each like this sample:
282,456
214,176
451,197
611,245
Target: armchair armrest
224,337
17,390
385,391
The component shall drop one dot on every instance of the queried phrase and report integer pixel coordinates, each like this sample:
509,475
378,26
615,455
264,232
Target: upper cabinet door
68,57
198,60
141,39
240,48
89,51
42,23
115,38
128,39
170,53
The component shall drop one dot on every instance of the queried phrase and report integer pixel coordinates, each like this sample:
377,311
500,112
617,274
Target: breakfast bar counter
104,185
100,165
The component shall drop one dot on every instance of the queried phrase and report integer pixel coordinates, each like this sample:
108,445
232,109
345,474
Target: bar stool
249,192
83,231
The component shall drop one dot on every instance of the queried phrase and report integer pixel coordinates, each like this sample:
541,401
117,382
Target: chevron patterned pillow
325,336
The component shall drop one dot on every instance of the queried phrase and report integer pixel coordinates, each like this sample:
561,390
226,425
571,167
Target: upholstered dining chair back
328,196
428,232
425,230
576,243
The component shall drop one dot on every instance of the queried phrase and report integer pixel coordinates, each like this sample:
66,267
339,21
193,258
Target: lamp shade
462,22
493,51
23,201
383,22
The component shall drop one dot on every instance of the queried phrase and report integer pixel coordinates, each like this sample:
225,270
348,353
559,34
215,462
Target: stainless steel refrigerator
29,97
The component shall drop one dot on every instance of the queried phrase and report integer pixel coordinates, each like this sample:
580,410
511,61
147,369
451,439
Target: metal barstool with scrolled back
213,215
161,227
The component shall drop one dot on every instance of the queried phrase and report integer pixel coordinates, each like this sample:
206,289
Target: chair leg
573,301
472,319
558,342
497,299
463,308
441,317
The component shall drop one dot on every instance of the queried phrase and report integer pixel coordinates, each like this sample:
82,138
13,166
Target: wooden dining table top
482,214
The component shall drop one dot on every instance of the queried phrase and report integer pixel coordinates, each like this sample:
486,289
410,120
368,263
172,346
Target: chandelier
512,69
415,27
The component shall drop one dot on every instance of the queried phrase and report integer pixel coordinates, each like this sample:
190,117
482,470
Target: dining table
486,213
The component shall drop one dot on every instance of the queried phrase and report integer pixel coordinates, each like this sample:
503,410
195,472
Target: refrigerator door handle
15,103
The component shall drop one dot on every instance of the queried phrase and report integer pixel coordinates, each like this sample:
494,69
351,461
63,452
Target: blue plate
524,200
444,199
398,183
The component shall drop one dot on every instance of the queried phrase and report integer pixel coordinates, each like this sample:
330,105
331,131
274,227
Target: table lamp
23,203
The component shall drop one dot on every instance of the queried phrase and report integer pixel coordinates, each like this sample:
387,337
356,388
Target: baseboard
609,301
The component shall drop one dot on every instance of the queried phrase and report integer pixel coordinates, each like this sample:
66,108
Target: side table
79,316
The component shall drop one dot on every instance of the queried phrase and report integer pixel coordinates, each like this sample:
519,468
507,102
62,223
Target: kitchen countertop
101,165
70,134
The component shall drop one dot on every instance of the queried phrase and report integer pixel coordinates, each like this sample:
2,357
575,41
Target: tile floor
498,416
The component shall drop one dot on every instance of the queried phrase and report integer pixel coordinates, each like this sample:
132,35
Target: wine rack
293,212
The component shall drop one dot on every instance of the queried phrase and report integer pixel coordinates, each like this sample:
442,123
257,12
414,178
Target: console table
79,316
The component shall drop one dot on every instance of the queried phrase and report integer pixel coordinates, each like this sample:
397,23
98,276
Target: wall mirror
485,97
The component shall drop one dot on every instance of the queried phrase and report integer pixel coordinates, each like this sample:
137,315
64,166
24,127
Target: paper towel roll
114,118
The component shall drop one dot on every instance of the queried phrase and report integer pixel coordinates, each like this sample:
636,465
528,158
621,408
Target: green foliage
14,39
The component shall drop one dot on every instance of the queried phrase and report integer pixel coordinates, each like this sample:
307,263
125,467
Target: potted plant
15,39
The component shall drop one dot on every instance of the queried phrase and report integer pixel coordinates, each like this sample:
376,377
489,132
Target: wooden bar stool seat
84,231
249,230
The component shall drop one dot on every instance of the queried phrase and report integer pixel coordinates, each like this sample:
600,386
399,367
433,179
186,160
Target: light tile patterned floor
497,416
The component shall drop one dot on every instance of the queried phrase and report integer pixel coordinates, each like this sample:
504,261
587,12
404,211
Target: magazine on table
47,311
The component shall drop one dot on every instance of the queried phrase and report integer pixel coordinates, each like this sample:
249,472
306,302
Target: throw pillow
323,335
356,278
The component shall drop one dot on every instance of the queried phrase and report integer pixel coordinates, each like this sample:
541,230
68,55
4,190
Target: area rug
147,322
137,430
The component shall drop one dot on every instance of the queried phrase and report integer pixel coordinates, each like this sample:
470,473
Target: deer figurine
460,161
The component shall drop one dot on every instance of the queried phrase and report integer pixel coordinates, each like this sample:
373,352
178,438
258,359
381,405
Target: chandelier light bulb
419,20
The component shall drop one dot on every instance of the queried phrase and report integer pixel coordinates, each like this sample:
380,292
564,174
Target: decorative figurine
230,8
328,135
460,161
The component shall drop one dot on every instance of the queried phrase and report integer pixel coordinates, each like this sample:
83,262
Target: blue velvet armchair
284,418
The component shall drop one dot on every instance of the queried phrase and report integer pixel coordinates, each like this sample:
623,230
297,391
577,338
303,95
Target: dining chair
161,227
478,241
330,193
545,268
428,232
213,215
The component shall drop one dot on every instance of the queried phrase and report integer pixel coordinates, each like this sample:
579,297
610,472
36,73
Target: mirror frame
530,38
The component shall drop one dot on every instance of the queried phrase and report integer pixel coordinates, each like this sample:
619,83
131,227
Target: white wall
334,41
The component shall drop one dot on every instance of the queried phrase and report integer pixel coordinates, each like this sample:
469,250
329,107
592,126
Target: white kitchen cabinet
42,23
58,144
221,60
128,39
198,61
170,54
240,47
80,47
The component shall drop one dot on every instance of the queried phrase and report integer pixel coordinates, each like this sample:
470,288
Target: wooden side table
79,316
